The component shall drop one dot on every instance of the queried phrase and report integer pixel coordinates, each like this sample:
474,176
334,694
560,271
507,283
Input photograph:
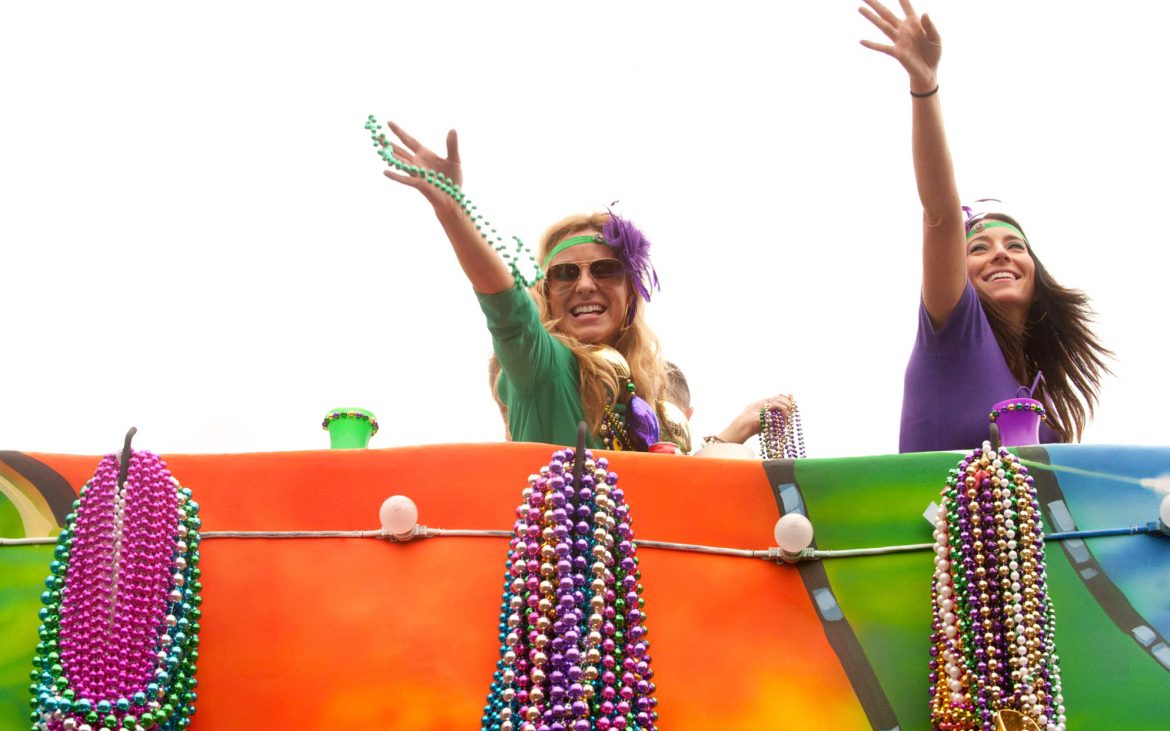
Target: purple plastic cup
1018,420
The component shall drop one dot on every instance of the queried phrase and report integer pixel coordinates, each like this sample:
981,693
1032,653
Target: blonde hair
600,384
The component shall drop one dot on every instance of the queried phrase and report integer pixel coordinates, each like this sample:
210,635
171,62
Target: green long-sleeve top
539,379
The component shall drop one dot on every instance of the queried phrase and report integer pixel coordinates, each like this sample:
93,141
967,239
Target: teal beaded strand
513,256
65,692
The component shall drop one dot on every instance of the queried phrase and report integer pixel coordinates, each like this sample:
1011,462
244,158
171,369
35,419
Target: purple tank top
954,377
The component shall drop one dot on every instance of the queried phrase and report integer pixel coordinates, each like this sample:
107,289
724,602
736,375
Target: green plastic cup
350,428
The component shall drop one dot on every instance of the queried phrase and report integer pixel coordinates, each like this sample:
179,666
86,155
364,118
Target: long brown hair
1057,338
599,383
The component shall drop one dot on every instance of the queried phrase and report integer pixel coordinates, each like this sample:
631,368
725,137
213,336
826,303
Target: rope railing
774,553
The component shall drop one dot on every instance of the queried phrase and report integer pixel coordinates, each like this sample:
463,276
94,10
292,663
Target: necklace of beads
573,649
1020,406
519,258
613,423
360,414
613,429
613,432
119,633
780,437
993,631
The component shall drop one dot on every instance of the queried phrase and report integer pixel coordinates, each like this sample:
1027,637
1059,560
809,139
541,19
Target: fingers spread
402,154
932,34
883,11
881,24
404,179
888,50
452,146
407,140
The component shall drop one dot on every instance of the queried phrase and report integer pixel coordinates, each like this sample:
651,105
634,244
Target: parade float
538,587
500,585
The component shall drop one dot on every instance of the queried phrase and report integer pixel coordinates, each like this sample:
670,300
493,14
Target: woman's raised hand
411,152
917,44
484,268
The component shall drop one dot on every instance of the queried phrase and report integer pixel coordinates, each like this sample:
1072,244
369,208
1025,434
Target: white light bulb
399,515
793,533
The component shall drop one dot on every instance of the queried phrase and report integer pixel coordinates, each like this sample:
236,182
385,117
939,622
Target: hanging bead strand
119,632
573,653
781,437
993,655
518,257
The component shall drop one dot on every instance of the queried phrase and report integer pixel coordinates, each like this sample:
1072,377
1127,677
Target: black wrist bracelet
924,94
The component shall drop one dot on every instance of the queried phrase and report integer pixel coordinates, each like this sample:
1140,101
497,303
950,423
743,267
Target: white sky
196,239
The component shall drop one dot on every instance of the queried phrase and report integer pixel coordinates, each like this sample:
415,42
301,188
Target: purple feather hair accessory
642,424
634,251
972,214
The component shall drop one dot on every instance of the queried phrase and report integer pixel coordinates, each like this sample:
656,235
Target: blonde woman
576,345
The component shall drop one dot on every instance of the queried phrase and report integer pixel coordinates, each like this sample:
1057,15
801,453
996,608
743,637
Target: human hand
411,152
747,424
917,44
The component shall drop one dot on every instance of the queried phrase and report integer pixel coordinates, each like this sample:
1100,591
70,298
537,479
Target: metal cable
769,554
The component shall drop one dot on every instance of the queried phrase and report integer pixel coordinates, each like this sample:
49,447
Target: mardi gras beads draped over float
381,628
407,626
120,626
993,649
574,654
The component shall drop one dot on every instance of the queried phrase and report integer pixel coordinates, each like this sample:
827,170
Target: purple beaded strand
573,655
992,651
119,629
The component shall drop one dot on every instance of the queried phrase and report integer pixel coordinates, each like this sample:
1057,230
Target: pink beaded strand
120,626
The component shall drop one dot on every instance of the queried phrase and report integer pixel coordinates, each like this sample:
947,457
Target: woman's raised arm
918,47
484,268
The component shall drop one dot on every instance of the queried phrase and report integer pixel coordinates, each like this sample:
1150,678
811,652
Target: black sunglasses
564,275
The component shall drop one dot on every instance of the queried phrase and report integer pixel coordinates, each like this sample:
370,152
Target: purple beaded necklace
993,654
573,653
780,437
119,632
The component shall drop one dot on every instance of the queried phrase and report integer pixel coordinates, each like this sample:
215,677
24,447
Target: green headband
575,241
979,227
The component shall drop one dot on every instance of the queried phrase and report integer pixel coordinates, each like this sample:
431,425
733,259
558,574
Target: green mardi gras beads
525,274
167,699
